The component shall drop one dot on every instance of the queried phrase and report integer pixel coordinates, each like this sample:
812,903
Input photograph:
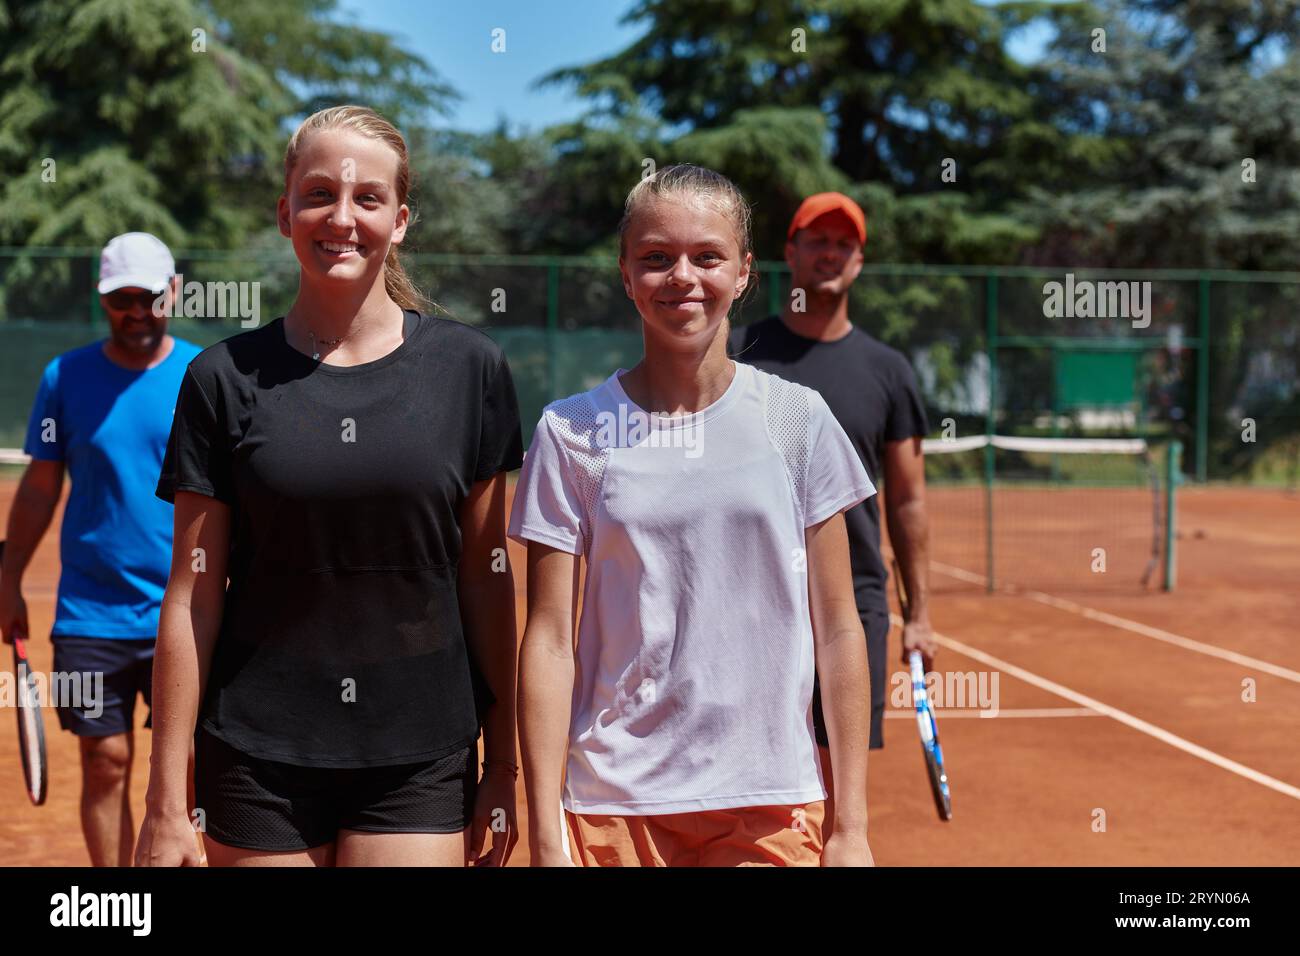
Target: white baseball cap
135,259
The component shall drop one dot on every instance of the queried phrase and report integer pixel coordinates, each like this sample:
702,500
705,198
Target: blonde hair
690,183
367,122
686,181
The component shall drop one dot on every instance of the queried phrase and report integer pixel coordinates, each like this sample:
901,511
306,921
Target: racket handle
917,666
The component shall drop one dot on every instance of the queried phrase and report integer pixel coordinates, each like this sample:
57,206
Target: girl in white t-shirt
706,497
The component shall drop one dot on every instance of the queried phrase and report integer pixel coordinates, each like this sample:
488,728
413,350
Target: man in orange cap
873,393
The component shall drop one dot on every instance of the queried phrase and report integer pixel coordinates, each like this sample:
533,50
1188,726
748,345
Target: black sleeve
501,442
735,342
738,343
906,408
198,453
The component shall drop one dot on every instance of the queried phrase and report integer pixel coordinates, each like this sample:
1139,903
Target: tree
167,116
1200,103
903,87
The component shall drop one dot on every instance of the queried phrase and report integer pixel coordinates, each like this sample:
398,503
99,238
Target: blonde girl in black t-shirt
344,467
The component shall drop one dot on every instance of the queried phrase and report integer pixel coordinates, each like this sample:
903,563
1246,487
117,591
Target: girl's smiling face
683,268
341,207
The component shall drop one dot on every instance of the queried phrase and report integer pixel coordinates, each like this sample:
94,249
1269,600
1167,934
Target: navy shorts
108,672
876,626
258,804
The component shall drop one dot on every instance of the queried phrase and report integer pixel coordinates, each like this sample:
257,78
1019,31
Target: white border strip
1067,446
13,456
1087,446
934,446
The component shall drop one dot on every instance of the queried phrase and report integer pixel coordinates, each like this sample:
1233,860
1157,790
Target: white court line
1137,723
961,574
1168,637
942,714
1136,627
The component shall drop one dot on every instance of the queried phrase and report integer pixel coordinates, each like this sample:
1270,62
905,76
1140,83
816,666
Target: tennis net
1059,513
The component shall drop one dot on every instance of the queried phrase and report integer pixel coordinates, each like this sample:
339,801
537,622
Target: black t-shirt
872,391
341,642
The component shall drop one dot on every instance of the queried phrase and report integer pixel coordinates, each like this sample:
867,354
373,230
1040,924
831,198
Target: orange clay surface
1033,785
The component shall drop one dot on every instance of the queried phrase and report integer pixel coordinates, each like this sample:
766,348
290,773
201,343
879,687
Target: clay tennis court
1114,705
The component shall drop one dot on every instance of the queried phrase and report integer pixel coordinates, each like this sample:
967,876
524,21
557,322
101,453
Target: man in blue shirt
103,413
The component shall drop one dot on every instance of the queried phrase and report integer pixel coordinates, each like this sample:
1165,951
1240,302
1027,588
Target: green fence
1208,358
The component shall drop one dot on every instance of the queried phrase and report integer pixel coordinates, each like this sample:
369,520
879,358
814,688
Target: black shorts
260,804
876,626
109,673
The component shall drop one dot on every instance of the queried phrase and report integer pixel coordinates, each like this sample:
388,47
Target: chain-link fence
1212,359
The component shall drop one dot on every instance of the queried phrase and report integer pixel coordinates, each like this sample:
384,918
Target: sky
455,37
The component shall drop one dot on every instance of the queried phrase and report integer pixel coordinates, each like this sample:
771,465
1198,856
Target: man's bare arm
909,534
33,509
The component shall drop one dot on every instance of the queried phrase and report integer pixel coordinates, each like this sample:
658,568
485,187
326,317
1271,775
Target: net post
1173,469
96,310
990,421
988,516
552,329
1202,378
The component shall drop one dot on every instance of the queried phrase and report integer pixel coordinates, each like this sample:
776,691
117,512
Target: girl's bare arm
842,669
546,675
189,623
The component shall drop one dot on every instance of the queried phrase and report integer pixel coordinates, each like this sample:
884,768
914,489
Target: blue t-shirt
109,425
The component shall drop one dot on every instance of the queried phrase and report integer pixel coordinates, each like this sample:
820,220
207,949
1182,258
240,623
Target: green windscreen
1095,379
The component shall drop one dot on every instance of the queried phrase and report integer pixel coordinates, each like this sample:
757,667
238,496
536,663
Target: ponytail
399,286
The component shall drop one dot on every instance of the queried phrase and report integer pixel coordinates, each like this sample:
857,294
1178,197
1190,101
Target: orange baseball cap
822,203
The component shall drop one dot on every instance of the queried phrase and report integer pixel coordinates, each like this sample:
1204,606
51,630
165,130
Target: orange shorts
744,836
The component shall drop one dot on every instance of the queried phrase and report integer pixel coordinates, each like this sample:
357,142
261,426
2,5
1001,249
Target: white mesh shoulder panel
574,422
788,425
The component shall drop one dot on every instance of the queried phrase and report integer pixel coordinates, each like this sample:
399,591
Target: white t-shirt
695,660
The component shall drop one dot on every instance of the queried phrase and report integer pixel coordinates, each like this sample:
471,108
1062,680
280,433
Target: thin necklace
330,343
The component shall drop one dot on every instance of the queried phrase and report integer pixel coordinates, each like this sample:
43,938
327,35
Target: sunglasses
123,301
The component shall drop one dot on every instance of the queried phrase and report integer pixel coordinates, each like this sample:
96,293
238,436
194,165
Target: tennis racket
31,725
925,720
